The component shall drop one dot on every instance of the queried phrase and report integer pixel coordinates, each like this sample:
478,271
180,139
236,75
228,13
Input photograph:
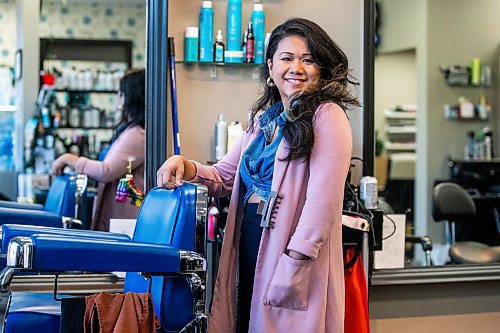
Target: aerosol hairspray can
368,192
220,138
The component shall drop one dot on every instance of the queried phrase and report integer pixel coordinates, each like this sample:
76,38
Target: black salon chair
452,203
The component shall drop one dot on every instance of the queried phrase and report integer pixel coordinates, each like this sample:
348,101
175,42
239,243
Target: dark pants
251,232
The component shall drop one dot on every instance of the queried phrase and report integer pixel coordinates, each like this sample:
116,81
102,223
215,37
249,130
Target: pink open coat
289,295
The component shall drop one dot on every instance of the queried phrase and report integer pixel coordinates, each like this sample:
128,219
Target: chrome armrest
69,223
81,184
192,262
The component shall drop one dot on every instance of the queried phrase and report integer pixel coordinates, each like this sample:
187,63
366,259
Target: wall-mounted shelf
460,76
466,111
86,50
390,114
85,128
400,146
87,91
468,86
219,64
468,119
8,108
401,129
222,70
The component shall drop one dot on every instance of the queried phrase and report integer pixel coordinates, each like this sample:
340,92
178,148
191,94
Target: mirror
423,117
86,73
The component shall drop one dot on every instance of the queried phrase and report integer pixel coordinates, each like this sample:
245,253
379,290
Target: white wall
395,83
7,34
398,25
28,43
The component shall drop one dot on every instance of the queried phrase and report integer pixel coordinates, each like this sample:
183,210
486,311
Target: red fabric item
120,313
356,318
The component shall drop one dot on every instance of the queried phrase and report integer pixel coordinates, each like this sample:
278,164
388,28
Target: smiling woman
305,69
298,141
293,68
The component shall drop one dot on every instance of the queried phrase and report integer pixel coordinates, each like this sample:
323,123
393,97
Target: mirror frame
368,87
156,82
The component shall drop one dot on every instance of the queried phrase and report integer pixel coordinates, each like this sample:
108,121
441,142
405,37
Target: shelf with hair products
221,70
61,125
235,55
77,101
476,106
475,75
401,128
92,91
466,110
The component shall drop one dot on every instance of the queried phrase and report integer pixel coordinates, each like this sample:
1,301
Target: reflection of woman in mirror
128,141
285,274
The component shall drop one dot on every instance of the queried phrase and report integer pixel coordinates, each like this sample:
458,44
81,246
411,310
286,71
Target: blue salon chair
164,256
60,207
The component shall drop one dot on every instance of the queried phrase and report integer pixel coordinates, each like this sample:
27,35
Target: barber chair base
33,312
474,253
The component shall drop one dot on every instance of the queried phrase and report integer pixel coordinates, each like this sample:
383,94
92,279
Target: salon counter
461,298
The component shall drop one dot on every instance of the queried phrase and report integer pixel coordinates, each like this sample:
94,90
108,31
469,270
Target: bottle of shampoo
259,28
191,44
220,138
234,133
234,25
206,32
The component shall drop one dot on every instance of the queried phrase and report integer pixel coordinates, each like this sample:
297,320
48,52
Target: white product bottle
234,133
220,138
81,80
101,78
89,80
73,79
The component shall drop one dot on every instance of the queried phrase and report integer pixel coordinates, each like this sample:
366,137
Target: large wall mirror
86,46
436,94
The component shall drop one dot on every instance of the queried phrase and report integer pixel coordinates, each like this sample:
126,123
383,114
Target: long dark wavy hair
333,85
133,87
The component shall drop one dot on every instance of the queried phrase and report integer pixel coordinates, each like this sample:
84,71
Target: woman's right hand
174,171
62,161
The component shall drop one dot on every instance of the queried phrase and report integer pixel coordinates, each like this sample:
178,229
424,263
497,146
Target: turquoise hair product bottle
191,44
234,25
206,32
259,28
